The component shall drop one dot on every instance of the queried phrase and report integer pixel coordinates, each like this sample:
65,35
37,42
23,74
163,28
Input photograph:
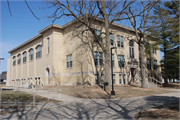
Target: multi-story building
58,56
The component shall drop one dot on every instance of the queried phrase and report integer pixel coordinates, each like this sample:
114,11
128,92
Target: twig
31,10
9,7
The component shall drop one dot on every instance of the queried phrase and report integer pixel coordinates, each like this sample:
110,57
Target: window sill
69,68
30,60
121,47
24,62
99,66
38,58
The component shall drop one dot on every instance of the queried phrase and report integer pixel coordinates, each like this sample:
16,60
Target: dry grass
11,96
95,92
172,86
169,111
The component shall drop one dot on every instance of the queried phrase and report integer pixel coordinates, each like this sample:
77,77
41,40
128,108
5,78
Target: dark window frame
148,64
39,52
24,57
69,61
19,59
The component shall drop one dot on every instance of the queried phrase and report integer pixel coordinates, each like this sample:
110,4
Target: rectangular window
102,79
113,60
131,49
118,41
124,79
155,64
96,79
122,42
120,81
112,39
98,58
114,80
69,61
48,45
154,51
149,64
121,61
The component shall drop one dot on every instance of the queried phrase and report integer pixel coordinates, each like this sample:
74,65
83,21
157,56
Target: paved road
76,108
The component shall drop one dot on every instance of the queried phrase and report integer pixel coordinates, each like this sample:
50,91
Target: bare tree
141,32
87,13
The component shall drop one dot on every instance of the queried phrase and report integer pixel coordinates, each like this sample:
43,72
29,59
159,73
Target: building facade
58,56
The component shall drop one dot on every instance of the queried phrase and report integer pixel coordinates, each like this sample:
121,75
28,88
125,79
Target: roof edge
49,26
25,43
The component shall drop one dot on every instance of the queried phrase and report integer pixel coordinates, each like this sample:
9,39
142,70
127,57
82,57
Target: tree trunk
107,51
165,66
143,73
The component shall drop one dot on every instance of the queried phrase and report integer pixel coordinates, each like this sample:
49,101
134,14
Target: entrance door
132,74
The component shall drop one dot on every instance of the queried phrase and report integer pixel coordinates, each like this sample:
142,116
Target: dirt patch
171,86
169,111
96,92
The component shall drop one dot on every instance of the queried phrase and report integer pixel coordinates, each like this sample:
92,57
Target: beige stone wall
63,43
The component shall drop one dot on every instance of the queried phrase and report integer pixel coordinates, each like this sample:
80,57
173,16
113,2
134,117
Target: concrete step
153,85
38,86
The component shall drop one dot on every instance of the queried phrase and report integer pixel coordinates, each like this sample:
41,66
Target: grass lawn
11,96
95,92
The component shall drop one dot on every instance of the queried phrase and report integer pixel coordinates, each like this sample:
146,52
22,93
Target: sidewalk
78,108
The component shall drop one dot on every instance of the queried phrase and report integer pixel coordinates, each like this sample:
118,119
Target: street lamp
112,92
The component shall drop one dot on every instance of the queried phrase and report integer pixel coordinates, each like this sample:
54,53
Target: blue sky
21,26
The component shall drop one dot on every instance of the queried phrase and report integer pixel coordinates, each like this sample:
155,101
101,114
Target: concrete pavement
78,108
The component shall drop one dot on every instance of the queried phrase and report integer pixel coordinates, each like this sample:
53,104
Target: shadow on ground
124,108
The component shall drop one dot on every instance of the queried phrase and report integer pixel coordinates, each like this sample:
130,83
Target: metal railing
153,79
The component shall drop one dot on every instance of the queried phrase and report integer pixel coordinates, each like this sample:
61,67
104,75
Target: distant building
3,76
54,56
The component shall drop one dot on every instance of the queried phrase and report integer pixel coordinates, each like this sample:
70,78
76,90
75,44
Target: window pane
70,63
114,79
67,64
122,41
96,58
124,79
120,79
102,79
96,79
111,39
112,59
118,40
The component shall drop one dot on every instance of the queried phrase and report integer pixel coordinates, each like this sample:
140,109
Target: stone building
58,56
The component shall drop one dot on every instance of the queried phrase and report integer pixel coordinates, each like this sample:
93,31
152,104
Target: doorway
48,73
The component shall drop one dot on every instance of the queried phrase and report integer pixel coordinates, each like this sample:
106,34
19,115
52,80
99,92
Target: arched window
131,49
14,60
38,51
31,53
19,59
24,57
